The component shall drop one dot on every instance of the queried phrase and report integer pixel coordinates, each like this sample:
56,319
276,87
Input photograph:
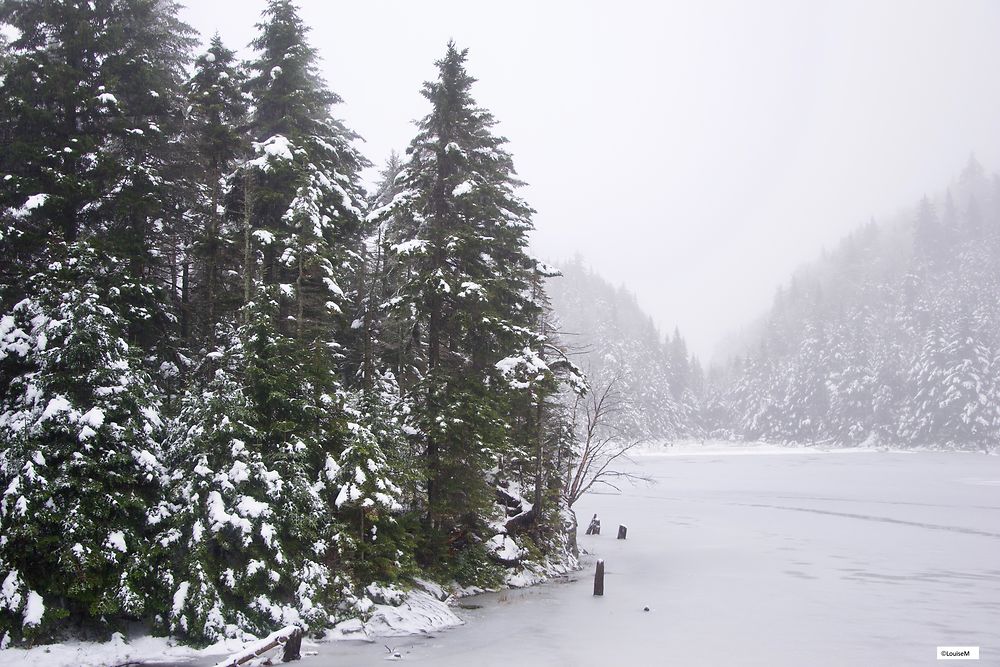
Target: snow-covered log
290,637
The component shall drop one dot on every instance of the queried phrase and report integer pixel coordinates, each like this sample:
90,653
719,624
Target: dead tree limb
602,445
290,637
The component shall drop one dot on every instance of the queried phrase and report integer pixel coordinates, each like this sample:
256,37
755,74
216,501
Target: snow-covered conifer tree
79,457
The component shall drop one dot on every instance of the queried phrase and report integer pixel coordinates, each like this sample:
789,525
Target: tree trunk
247,244
212,260
185,298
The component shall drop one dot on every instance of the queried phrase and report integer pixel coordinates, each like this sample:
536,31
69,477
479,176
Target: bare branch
596,419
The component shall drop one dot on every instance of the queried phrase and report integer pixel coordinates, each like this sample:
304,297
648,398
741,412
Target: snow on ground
808,558
422,612
146,650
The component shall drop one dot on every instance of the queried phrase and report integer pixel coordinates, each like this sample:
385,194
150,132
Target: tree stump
293,647
595,526
621,532
599,578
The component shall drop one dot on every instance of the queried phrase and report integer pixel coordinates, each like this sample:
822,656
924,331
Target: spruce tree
465,292
215,130
263,541
91,96
91,109
302,187
79,429
253,541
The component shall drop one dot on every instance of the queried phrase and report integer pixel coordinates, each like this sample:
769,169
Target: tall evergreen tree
91,108
91,95
301,202
465,293
215,129
303,188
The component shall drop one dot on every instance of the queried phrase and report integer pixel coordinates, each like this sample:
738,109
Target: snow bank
420,613
149,650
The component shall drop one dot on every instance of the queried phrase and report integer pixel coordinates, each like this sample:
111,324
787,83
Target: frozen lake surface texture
805,558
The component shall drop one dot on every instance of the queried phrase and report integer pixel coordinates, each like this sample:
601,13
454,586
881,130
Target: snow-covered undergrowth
388,611
423,610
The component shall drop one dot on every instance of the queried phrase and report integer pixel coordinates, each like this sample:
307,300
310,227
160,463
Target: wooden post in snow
621,532
595,526
599,578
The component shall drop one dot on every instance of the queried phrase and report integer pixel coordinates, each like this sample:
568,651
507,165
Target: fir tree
303,190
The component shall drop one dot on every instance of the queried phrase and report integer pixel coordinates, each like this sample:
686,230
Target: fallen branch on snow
290,637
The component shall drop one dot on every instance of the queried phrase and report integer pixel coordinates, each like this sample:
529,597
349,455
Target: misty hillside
892,338
612,337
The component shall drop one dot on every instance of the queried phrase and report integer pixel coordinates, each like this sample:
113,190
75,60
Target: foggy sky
695,151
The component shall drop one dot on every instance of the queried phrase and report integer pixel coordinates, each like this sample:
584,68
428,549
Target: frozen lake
784,559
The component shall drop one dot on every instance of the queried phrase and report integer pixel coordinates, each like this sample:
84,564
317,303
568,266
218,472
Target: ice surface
800,557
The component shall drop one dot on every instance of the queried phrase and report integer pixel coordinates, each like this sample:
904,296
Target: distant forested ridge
892,339
609,336
236,386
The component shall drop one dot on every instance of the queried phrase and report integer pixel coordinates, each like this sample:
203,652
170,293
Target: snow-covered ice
806,558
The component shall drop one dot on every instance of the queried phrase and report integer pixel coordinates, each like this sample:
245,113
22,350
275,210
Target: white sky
695,151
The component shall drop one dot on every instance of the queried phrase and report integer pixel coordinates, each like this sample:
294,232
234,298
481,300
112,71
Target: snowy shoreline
421,611
425,609
759,448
